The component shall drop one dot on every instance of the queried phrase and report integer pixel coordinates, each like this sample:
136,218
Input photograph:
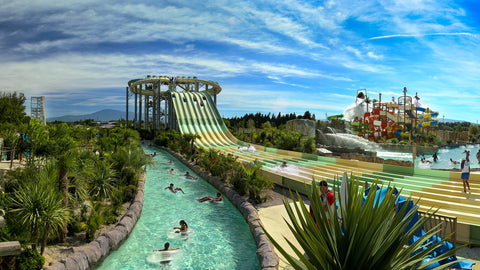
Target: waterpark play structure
189,106
402,117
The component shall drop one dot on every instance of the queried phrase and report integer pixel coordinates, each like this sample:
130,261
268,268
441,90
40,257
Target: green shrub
256,183
29,259
308,145
167,137
95,220
75,225
237,180
287,141
392,140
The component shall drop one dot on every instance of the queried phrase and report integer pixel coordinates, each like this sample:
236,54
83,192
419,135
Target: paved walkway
5,164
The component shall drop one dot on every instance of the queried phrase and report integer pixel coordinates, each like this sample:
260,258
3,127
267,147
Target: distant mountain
103,116
440,120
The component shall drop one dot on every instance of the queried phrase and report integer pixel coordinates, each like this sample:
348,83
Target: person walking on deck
465,165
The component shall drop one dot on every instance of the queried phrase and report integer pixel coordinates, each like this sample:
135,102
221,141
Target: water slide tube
428,115
427,124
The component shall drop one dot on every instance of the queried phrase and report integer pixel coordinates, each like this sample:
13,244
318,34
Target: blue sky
268,56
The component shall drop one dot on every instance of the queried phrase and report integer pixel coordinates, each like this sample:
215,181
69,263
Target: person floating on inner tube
210,198
183,227
167,247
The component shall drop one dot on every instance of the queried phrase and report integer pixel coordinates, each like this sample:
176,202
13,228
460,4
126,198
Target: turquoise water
220,239
444,155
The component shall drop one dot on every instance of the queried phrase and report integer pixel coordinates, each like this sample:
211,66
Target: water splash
350,140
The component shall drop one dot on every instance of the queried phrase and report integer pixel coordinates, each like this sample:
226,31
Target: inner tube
181,235
216,202
156,256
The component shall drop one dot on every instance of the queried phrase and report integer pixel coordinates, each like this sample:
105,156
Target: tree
65,148
102,178
372,234
12,108
251,124
474,132
287,141
458,129
129,162
36,138
39,206
368,101
307,115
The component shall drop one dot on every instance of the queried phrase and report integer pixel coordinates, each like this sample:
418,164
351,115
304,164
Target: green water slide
197,114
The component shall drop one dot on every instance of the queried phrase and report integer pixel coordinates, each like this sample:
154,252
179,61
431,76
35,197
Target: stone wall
265,252
91,254
304,126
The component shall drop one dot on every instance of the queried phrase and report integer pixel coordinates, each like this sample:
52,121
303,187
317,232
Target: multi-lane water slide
196,113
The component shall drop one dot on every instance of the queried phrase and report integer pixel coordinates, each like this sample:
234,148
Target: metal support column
147,114
126,114
140,109
135,120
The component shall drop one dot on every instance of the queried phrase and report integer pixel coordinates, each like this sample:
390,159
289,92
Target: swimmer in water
189,176
454,161
210,198
172,171
174,190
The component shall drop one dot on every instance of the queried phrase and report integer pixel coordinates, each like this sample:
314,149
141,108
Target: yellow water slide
197,114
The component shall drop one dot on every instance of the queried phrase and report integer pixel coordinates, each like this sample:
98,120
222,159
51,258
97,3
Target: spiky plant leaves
371,233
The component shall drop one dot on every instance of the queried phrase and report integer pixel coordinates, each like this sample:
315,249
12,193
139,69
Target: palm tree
79,185
102,178
458,129
129,162
367,101
66,161
372,234
39,206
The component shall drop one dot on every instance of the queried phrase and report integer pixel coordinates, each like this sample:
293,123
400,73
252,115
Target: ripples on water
221,238
444,155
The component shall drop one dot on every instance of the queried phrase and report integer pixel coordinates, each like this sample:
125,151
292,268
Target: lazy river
220,237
